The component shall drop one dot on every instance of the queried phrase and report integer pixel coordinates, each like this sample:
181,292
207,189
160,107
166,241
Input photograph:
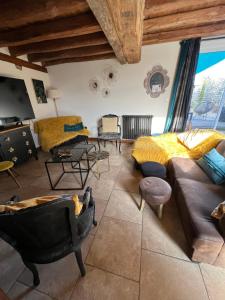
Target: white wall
40,110
128,95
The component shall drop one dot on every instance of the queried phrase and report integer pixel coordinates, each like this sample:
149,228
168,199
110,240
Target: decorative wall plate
94,85
156,81
105,92
109,74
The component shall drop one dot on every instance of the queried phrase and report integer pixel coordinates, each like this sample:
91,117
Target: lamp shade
53,93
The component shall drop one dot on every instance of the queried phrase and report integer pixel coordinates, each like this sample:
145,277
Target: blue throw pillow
75,127
213,163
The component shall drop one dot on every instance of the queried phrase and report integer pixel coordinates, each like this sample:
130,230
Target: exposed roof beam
158,8
16,13
50,30
186,33
91,39
78,52
22,63
122,23
190,19
78,59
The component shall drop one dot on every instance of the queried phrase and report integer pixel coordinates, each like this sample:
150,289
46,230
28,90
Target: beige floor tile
214,278
127,182
100,206
116,248
101,188
123,205
20,291
101,285
167,278
11,266
164,236
58,279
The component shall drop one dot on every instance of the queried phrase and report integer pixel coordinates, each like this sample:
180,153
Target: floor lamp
54,94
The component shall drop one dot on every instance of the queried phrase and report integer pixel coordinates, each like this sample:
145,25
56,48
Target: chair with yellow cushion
48,228
6,166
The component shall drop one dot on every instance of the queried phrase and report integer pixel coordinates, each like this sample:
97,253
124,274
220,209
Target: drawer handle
14,158
29,151
24,133
27,143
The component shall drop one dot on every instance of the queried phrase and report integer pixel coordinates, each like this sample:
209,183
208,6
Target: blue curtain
183,86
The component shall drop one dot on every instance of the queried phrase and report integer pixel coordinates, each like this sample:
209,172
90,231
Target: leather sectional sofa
196,196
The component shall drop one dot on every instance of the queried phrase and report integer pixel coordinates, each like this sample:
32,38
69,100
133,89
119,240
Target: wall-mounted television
15,105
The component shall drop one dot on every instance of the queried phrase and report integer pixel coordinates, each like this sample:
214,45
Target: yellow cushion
51,131
166,146
193,138
37,201
5,165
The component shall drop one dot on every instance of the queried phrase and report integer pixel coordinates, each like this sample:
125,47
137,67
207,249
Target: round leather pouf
154,169
155,191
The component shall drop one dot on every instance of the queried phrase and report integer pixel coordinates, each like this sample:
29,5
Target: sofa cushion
196,201
213,164
187,168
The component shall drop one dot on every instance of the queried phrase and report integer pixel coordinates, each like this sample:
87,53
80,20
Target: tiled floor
128,256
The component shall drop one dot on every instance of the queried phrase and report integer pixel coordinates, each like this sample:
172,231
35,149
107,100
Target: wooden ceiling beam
50,30
158,8
16,13
78,59
22,63
122,23
186,33
190,19
92,39
78,52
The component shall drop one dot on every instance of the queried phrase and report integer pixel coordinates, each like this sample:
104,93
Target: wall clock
156,81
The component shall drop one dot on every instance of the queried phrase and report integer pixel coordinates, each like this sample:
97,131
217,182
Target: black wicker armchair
48,232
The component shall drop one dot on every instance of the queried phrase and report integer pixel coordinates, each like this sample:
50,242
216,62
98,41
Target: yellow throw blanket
37,201
166,146
51,131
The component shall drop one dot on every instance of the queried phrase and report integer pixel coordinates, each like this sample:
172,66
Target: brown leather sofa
196,196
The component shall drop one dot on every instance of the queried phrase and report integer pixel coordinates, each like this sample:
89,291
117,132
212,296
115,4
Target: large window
208,99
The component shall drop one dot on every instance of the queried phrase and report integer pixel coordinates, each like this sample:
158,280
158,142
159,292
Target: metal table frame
76,166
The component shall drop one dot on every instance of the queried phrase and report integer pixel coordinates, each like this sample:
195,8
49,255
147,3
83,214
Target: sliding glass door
207,108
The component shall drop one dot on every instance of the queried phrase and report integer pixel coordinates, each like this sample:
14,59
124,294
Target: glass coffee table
74,160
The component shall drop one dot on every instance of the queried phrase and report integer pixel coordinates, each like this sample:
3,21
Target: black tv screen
14,100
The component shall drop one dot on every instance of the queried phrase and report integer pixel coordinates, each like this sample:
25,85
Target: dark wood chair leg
13,177
98,144
33,269
80,263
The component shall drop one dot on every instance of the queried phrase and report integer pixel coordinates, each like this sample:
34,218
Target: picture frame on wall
39,91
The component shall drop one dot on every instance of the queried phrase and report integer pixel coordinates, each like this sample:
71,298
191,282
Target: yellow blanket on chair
51,131
166,146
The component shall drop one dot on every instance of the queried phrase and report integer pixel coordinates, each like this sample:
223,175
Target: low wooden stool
155,191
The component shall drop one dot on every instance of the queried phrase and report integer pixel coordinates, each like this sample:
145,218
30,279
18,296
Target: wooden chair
109,130
46,233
